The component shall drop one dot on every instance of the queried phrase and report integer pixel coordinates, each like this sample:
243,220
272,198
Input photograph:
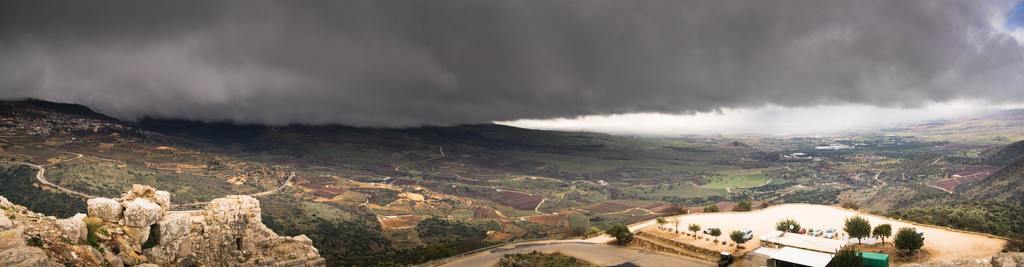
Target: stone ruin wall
137,229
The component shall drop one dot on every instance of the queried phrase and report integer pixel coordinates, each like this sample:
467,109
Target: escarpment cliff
138,229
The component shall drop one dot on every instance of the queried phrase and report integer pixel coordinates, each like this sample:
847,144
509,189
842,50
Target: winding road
42,179
441,149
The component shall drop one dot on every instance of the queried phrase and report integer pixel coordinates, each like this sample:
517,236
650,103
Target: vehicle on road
747,234
802,230
708,230
830,233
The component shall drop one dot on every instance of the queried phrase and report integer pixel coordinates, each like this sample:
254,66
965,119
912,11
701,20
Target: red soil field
967,175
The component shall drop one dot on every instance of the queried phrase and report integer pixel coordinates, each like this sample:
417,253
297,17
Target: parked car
830,233
708,230
747,234
814,232
802,230
920,233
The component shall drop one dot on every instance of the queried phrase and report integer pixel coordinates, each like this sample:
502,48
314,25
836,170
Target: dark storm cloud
405,63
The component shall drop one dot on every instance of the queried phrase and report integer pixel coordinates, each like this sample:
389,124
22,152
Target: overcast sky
519,62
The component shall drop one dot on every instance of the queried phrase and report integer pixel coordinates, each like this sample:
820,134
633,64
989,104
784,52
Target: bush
711,208
908,239
788,225
849,204
620,232
744,205
737,236
35,241
847,256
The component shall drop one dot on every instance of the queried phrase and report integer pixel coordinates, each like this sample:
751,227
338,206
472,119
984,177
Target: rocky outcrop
138,229
104,208
1008,259
14,251
141,213
74,228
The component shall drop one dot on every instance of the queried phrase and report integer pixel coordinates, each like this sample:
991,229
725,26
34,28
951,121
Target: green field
722,181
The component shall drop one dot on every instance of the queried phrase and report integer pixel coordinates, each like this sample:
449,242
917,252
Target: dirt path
441,149
876,177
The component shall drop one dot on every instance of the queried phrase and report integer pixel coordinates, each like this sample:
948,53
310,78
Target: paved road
42,179
600,254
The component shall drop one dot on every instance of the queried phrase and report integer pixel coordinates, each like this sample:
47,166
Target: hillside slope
1005,155
1006,184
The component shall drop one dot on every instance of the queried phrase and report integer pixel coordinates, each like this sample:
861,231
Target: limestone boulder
105,208
139,234
1008,259
5,223
139,191
162,198
11,239
4,203
141,212
174,226
73,228
25,256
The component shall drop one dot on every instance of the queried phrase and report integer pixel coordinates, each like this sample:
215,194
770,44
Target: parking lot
943,244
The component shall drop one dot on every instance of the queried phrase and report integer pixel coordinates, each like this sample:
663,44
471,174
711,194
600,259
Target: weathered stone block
141,213
73,228
24,256
162,198
164,254
105,208
4,203
174,226
11,239
5,223
139,234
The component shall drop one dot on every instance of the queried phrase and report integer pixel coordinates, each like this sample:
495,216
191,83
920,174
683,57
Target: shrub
788,225
744,205
847,256
849,204
711,208
908,238
35,241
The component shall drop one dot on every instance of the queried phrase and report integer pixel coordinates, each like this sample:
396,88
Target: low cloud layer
409,63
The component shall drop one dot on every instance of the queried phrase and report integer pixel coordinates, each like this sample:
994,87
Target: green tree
848,257
737,236
857,227
788,225
591,232
908,238
711,208
694,228
882,231
715,232
620,232
661,222
744,205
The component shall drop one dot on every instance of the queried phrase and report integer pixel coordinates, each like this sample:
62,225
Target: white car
708,230
830,233
814,232
747,234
